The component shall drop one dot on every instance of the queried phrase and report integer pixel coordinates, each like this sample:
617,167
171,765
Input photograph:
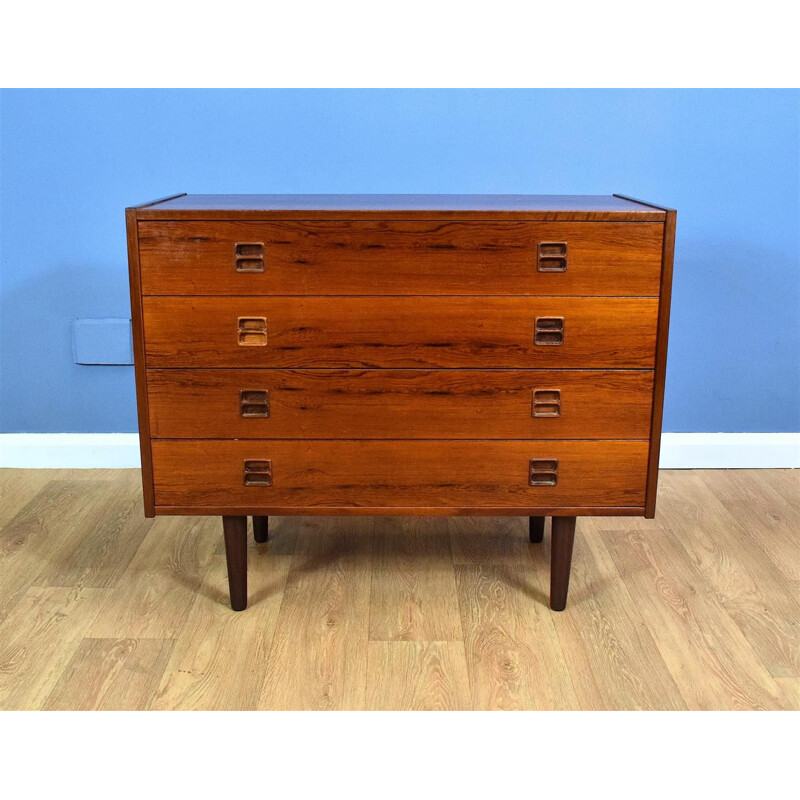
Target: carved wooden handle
549,331
543,472
252,331
546,403
552,257
254,403
258,472
249,257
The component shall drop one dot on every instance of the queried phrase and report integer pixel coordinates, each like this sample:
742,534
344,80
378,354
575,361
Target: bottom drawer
397,476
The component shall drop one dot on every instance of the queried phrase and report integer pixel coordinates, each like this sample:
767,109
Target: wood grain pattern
490,541
399,258
35,537
111,675
755,597
766,504
642,631
38,638
399,206
413,589
18,488
318,659
602,637
113,529
401,332
219,660
417,676
790,693
155,594
388,473
513,656
708,656
394,404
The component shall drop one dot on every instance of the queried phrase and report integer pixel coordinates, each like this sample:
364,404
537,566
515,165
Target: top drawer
400,257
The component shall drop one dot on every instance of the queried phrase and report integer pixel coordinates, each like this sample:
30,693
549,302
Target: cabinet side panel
662,336
140,365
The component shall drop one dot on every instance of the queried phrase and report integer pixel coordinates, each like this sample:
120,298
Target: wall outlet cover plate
102,341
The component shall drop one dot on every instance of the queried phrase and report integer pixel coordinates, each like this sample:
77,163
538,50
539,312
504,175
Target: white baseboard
69,450
730,451
678,450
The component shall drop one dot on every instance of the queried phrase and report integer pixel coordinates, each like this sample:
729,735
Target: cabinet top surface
464,206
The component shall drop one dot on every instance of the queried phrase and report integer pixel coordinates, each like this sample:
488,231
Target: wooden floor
103,609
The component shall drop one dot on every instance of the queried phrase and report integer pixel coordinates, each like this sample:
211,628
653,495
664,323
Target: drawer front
398,404
403,257
547,332
281,474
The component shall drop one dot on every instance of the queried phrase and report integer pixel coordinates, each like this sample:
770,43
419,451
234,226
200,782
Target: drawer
270,476
400,258
396,404
547,332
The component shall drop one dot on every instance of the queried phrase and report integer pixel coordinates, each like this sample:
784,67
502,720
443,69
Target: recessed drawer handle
249,257
552,257
252,331
543,472
258,472
546,403
254,403
549,331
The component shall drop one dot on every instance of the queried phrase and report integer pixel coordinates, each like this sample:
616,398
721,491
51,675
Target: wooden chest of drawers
375,354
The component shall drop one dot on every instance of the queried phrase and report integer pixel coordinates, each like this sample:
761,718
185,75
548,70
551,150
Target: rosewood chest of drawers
400,354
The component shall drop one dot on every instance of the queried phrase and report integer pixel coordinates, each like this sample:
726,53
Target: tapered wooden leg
560,561
261,529
536,528
235,529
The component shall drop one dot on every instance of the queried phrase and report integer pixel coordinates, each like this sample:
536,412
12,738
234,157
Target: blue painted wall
727,160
